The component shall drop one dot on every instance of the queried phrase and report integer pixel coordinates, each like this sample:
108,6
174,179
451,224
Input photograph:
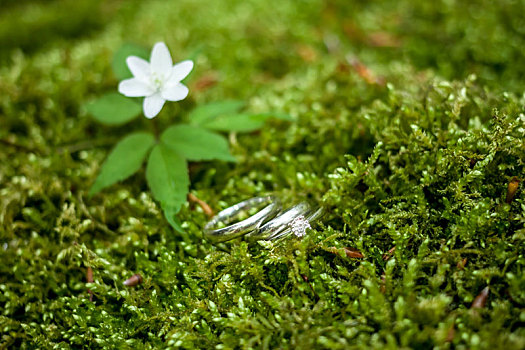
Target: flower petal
139,68
160,60
180,71
175,92
134,88
152,105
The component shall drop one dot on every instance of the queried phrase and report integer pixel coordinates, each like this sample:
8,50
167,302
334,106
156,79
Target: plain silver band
240,228
280,225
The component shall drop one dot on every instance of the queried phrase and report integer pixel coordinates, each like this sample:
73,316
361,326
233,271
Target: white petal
175,92
138,67
152,105
180,71
161,62
134,88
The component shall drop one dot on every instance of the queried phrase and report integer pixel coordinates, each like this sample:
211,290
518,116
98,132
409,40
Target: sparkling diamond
299,226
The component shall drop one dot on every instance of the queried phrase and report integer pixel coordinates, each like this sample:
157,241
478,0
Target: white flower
158,80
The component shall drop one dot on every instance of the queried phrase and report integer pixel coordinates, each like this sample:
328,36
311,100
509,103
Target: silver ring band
308,218
281,226
270,204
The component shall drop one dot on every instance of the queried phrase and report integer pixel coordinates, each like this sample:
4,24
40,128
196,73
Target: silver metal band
280,226
314,215
270,207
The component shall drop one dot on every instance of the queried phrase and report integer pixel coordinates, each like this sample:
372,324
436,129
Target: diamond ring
267,207
268,222
294,220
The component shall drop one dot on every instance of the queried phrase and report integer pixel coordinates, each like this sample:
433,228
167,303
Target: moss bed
408,129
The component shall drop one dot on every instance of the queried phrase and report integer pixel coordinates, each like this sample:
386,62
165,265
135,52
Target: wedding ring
269,205
282,225
298,226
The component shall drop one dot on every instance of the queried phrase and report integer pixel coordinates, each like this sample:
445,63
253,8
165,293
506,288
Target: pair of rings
268,220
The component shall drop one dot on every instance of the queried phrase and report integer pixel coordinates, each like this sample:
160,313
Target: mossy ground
412,149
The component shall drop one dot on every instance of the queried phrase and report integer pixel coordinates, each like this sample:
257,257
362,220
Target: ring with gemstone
266,207
298,225
293,220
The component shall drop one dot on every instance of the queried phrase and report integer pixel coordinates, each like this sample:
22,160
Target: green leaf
274,115
120,68
195,143
235,122
124,160
169,214
113,109
211,110
242,122
167,176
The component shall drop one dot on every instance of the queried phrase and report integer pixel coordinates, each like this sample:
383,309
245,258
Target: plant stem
205,207
155,126
89,279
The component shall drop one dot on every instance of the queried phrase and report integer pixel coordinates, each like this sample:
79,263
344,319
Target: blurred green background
454,38
408,129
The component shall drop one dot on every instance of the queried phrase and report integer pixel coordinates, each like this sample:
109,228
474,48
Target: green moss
421,164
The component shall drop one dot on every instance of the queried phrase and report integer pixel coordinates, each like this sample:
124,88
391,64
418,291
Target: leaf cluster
168,153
